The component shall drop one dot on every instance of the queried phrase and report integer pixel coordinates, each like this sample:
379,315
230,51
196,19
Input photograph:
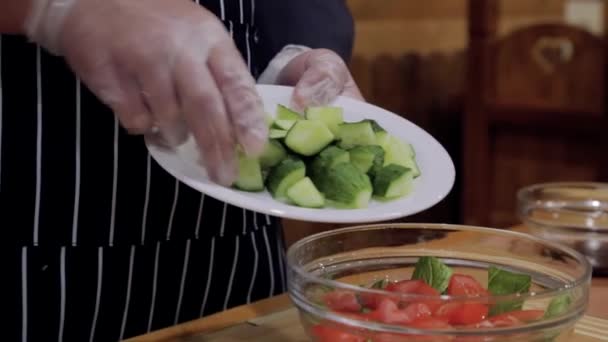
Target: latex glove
319,76
160,64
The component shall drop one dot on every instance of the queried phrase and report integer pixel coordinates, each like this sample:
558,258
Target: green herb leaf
380,284
433,272
558,306
501,282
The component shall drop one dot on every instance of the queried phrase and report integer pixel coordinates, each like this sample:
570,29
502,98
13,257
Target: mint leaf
501,282
433,272
558,306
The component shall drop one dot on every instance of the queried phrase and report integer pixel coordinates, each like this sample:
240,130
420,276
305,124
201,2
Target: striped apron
99,243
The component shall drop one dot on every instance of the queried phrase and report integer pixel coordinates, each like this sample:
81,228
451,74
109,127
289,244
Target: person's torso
99,242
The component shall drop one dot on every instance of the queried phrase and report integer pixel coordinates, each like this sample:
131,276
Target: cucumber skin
344,184
302,188
292,168
377,158
385,178
329,157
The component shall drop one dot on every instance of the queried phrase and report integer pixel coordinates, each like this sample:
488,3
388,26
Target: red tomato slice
413,287
464,285
462,313
418,287
517,317
527,315
324,333
342,301
388,312
427,323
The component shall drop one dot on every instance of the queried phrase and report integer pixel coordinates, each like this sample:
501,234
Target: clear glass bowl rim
582,260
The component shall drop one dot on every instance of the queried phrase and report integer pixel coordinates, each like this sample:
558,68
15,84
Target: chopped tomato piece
413,287
324,333
527,315
462,313
342,301
388,312
464,285
418,287
517,317
429,323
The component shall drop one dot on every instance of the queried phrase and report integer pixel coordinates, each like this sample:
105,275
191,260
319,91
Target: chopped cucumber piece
411,164
397,152
284,113
277,133
284,124
356,134
273,154
393,181
330,116
382,139
369,159
329,157
346,186
250,174
375,126
305,194
308,137
284,175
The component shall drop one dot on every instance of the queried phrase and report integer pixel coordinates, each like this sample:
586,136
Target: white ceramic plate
435,182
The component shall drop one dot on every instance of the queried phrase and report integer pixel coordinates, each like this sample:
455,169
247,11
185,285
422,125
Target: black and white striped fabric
99,243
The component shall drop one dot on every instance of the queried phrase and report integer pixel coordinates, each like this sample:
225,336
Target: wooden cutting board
284,326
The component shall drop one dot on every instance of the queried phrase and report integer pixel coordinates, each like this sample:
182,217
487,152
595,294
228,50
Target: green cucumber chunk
308,137
375,126
382,138
369,159
273,154
284,113
329,157
277,133
283,176
330,116
393,181
305,194
250,174
345,186
284,125
356,134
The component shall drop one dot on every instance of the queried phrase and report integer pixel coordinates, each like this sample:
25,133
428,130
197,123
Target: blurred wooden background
411,58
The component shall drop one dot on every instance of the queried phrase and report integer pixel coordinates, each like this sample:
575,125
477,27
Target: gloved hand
319,76
166,66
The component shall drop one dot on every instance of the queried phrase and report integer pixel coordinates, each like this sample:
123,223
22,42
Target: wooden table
197,330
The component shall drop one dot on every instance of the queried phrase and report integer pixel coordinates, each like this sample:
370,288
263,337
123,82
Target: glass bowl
346,261
574,214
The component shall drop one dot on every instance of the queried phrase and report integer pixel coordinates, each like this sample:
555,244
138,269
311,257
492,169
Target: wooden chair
535,112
